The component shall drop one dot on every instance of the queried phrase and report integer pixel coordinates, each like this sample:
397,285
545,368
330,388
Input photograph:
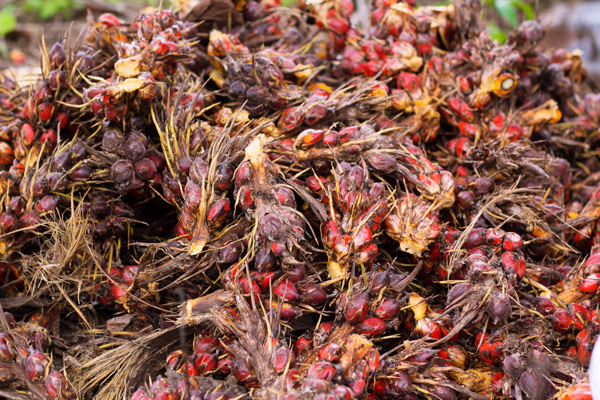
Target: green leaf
526,8
8,21
289,3
48,9
508,11
496,33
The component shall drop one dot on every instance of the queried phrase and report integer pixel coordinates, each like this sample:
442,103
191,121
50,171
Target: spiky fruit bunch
26,362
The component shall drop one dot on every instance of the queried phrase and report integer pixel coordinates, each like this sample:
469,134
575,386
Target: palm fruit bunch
26,363
239,200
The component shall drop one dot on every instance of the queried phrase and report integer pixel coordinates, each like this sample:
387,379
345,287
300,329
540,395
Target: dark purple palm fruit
498,306
514,365
134,147
257,81
534,385
112,140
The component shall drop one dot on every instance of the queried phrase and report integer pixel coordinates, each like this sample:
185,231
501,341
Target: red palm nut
290,119
302,343
343,246
27,134
287,290
580,391
544,305
580,315
207,344
372,327
425,327
496,384
363,238
321,370
313,294
562,321
217,213
491,353
357,308
467,129
380,388
6,352
225,366
329,233
35,366
383,162
476,238
513,264
372,359
241,372
116,291
388,309
250,288
316,183
140,394
493,238
45,111
288,312
285,196
309,138
7,155
49,138
62,120
283,358
8,222
129,273
512,242
56,385
330,352
330,139
205,362
590,283
174,360
461,109
369,254
341,392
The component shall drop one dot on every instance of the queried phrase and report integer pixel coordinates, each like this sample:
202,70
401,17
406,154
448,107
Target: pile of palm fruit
248,201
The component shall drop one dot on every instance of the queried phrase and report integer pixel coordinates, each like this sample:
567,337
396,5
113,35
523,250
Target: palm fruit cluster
239,200
25,360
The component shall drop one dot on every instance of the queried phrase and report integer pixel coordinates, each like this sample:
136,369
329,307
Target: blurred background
569,24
